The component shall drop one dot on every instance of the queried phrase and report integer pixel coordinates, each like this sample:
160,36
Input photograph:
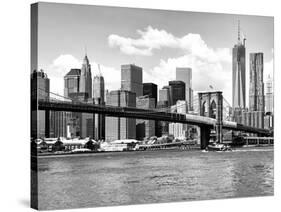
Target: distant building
99,98
58,126
151,90
82,124
85,84
71,82
40,88
239,73
269,96
185,74
78,87
179,130
116,127
165,95
177,90
256,91
145,128
162,127
131,79
268,121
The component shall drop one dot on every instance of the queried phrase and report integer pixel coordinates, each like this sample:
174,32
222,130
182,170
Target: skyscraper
256,91
238,73
179,130
165,95
85,84
116,127
131,79
40,88
269,96
98,96
185,74
71,82
145,128
78,87
178,91
150,89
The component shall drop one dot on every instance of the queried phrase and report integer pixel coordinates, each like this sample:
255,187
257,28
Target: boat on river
218,147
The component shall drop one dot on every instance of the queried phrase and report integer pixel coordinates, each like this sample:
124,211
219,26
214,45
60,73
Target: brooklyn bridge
210,114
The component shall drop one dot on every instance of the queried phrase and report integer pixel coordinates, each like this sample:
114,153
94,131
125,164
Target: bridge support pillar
204,136
47,123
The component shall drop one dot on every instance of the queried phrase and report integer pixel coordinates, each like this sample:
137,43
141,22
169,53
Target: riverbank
70,154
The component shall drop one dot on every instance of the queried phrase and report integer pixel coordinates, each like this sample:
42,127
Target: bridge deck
129,112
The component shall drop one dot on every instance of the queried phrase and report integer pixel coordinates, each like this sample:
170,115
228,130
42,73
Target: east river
105,179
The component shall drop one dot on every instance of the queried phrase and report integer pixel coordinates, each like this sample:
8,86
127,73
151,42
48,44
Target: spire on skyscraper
238,31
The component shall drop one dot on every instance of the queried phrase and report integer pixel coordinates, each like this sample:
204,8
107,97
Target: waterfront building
99,98
185,74
131,79
151,90
239,73
117,128
256,91
145,128
177,90
269,96
40,88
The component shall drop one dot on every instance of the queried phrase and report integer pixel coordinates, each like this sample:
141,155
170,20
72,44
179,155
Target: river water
153,176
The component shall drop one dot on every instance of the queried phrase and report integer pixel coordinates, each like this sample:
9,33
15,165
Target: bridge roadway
129,112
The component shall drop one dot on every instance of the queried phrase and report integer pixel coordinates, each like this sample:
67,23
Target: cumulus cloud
152,39
204,73
63,63
209,66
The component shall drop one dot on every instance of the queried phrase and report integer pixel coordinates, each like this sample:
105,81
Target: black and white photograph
137,106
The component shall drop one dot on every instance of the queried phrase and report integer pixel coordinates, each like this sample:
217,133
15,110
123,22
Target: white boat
217,147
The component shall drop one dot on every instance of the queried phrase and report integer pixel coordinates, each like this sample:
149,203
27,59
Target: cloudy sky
157,40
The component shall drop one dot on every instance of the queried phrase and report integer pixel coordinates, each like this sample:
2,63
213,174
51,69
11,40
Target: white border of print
15,69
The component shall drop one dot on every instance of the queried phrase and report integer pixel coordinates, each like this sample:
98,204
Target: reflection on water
151,177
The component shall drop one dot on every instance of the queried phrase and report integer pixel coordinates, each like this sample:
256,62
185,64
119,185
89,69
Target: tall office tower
98,96
81,124
78,86
165,95
178,91
238,73
185,74
179,130
40,88
71,82
58,124
151,90
120,128
145,128
131,79
85,84
256,92
269,96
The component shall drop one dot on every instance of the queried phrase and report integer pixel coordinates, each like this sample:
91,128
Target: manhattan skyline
113,36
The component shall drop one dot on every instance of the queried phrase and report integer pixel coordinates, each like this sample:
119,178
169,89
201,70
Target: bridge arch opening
213,110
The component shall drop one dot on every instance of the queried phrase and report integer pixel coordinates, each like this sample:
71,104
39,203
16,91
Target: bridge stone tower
211,105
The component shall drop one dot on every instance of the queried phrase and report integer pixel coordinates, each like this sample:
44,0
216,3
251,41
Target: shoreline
71,154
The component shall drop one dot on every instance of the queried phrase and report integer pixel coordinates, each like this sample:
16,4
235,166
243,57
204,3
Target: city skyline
193,44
